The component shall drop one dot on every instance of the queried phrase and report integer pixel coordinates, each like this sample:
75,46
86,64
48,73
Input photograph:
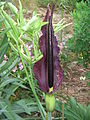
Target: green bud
50,102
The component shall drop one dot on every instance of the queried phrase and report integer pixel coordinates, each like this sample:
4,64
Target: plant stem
49,116
46,116
63,111
62,12
42,111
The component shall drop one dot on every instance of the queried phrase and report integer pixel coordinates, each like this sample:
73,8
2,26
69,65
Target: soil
74,84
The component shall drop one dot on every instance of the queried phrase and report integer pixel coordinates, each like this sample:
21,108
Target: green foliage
8,85
68,5
88,78
16,37
74,110
79,43
44,3
3,47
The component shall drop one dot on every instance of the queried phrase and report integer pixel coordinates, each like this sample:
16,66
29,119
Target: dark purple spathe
48,71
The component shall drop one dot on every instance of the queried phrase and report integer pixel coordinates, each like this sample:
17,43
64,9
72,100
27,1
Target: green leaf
82,110
8,65
20,84
21,14
3,48
8,81
87,76
9,89
2,3
60,25
25,105
89,84
10,115
33,25
13,8
88,113
72,109
8,30
12,24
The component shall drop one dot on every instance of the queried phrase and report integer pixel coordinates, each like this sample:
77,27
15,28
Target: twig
63,110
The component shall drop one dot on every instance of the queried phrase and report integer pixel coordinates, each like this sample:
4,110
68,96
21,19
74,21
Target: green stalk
46,116
49,116
35,92
62,12
34,46
42,111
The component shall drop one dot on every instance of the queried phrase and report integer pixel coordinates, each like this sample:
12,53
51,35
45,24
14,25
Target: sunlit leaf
12,24
13,8
21,14
33,25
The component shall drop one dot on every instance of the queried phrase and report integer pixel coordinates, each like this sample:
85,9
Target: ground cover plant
44,3
80,40
21,56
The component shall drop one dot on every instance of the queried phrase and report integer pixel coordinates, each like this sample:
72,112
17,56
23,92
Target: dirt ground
75,85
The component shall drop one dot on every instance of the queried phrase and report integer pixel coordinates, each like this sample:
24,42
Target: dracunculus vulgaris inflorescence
48,70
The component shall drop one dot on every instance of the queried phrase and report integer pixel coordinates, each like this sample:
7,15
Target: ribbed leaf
12,24
88,113
3,47
7,111
73,110
27,105
8,81
9,65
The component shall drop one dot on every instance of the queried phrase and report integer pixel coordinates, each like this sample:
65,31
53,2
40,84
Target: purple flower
14,69
5,57
48,71
61,45
29,47
20,66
